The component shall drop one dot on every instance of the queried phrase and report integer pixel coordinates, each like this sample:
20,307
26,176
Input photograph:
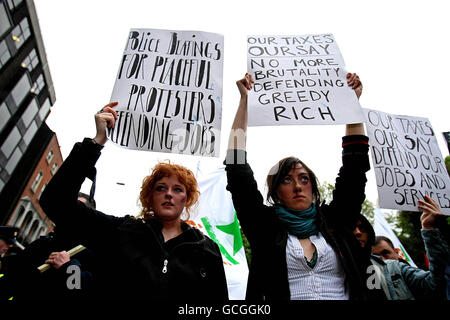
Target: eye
304,179
159,188
178,189
286,180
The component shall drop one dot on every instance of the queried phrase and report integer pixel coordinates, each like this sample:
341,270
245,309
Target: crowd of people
302,248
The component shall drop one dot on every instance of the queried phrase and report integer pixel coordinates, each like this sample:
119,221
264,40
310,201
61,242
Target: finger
110,110
109,118
428,208
111,104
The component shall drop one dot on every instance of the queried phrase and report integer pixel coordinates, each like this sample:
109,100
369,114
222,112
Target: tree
326,193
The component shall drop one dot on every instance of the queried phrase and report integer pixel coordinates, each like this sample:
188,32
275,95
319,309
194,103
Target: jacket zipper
164,269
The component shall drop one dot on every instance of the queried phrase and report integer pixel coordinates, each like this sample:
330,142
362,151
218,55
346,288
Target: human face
4,246
169,198
361,234
295,190
385,251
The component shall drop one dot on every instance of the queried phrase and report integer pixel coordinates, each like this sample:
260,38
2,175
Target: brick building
26,96
28,216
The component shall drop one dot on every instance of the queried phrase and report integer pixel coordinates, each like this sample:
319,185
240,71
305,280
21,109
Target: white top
323,282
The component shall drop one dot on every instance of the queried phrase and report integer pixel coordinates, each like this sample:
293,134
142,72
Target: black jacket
133,250
268,278
24,281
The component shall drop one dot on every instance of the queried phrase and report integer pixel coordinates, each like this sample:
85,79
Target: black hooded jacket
136,261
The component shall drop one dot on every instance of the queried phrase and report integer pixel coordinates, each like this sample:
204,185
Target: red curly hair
167,169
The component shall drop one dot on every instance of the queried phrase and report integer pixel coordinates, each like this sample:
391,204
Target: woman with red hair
155,255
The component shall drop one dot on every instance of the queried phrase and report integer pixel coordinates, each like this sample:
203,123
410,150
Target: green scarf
300,223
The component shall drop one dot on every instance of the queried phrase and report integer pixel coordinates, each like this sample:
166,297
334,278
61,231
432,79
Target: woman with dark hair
155,255
301,248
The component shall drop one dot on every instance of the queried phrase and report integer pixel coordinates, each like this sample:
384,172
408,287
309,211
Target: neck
171,229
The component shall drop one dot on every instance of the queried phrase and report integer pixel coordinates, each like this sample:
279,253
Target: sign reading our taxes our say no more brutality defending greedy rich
169,89
299,80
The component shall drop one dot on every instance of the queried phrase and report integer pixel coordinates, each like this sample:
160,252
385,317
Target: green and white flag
215,216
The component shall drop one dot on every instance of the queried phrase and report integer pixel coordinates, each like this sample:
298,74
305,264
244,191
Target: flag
215,216
382,228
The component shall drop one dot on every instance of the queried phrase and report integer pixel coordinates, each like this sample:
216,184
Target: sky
398,48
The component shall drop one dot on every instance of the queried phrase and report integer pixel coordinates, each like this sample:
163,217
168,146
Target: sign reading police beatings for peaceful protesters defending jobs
299,80
407,161
169,89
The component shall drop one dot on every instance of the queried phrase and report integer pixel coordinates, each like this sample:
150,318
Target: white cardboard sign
299,80
407,161
169,89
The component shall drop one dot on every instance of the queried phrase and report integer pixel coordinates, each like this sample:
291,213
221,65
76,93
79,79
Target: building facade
26,95
28,215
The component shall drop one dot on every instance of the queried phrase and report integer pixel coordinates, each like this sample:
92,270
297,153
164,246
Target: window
13,4
31,131
29,114
13,161
54,168
38,85
49,157
31,61
36,181
21,33
4,53
21,89
5,24
4,115
11,142
45,109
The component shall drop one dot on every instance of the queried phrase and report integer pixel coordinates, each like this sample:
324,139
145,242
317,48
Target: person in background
7,238
400,281
384,248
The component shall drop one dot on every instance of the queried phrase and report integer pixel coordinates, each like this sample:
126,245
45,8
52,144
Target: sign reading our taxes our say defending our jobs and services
169,90
299,80
407,161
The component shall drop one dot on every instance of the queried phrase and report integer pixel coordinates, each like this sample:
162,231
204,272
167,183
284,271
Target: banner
169,89
217,218
299,80
407,161
382,228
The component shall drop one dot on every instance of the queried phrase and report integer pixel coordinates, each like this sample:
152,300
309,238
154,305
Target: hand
245,84
105,118
430,213
354,82
57,259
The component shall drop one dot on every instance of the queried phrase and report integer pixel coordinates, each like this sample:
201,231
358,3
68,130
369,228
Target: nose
297,185
168,194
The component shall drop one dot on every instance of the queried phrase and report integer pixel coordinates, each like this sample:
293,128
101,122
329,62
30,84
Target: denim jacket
403,282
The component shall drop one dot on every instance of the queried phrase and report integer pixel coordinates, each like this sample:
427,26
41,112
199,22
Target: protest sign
169,89
299,80
407,161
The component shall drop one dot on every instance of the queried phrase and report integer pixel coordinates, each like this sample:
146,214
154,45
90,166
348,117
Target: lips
167,204
299,197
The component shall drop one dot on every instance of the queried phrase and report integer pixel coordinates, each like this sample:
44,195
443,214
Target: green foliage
447,164
326,193
407,227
